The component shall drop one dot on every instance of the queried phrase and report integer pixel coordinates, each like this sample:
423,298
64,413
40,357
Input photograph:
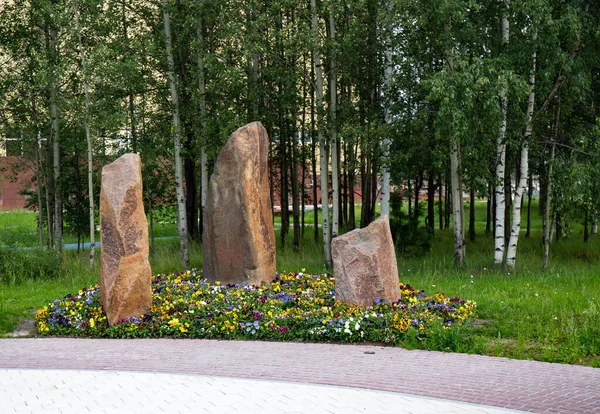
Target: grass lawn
528,312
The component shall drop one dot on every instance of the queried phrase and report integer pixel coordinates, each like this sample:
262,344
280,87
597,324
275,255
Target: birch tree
335,186
511,253
387,118
323,149
202,104
176,130
501,155
88,135
51,33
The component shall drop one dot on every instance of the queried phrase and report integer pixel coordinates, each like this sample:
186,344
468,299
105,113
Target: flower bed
295,306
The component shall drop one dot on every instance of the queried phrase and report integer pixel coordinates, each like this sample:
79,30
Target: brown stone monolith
238,236
125,274
364,265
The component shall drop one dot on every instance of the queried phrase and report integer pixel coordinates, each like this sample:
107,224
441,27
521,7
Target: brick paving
520,385
109,392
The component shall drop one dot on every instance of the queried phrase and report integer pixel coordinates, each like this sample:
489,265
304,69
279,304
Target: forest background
406,100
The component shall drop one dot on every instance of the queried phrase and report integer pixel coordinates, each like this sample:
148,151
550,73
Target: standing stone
364,264
125,274
238,236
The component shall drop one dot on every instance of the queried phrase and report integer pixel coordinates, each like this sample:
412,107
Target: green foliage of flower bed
295,306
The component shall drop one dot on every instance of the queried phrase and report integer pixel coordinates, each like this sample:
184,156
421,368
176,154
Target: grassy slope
550,314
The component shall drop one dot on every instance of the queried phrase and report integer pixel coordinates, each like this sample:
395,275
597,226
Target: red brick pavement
522,385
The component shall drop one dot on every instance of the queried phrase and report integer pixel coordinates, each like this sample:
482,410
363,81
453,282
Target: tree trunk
447,204
387,118
252,71
49,195
546,224
529,194
88,137
303,146
586,231
472,213
323,149
508,205
494,212
488,216
56,152
346,192
374,193
431,203
145,176
595,224
511,253
38,167
203,137
38,174
151,220
418,186
131,99
440,201
351,184
409,194
366,189
283,171
294,180
335,182
499,240
313,146
182,226
456,190
457,202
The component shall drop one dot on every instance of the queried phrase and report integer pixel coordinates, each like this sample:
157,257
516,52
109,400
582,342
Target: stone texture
364,264
238,239
125,274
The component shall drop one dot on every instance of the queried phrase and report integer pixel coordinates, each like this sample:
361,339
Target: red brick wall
9,187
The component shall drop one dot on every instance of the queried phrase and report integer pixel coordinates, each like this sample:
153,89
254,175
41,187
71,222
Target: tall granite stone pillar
125,274
238,238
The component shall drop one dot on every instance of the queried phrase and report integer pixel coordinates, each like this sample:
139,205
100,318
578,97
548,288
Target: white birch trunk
595,223
335,184
456,187
501,159
387,117
38,174
511,253
181,216
323,150
202,89
457,202
55,144
88,137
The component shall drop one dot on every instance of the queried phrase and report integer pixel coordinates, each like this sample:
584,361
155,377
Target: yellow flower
92,323
402,325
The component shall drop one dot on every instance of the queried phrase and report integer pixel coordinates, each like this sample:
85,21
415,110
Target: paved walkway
155,375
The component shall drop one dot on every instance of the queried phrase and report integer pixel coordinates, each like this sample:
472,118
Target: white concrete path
68,391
